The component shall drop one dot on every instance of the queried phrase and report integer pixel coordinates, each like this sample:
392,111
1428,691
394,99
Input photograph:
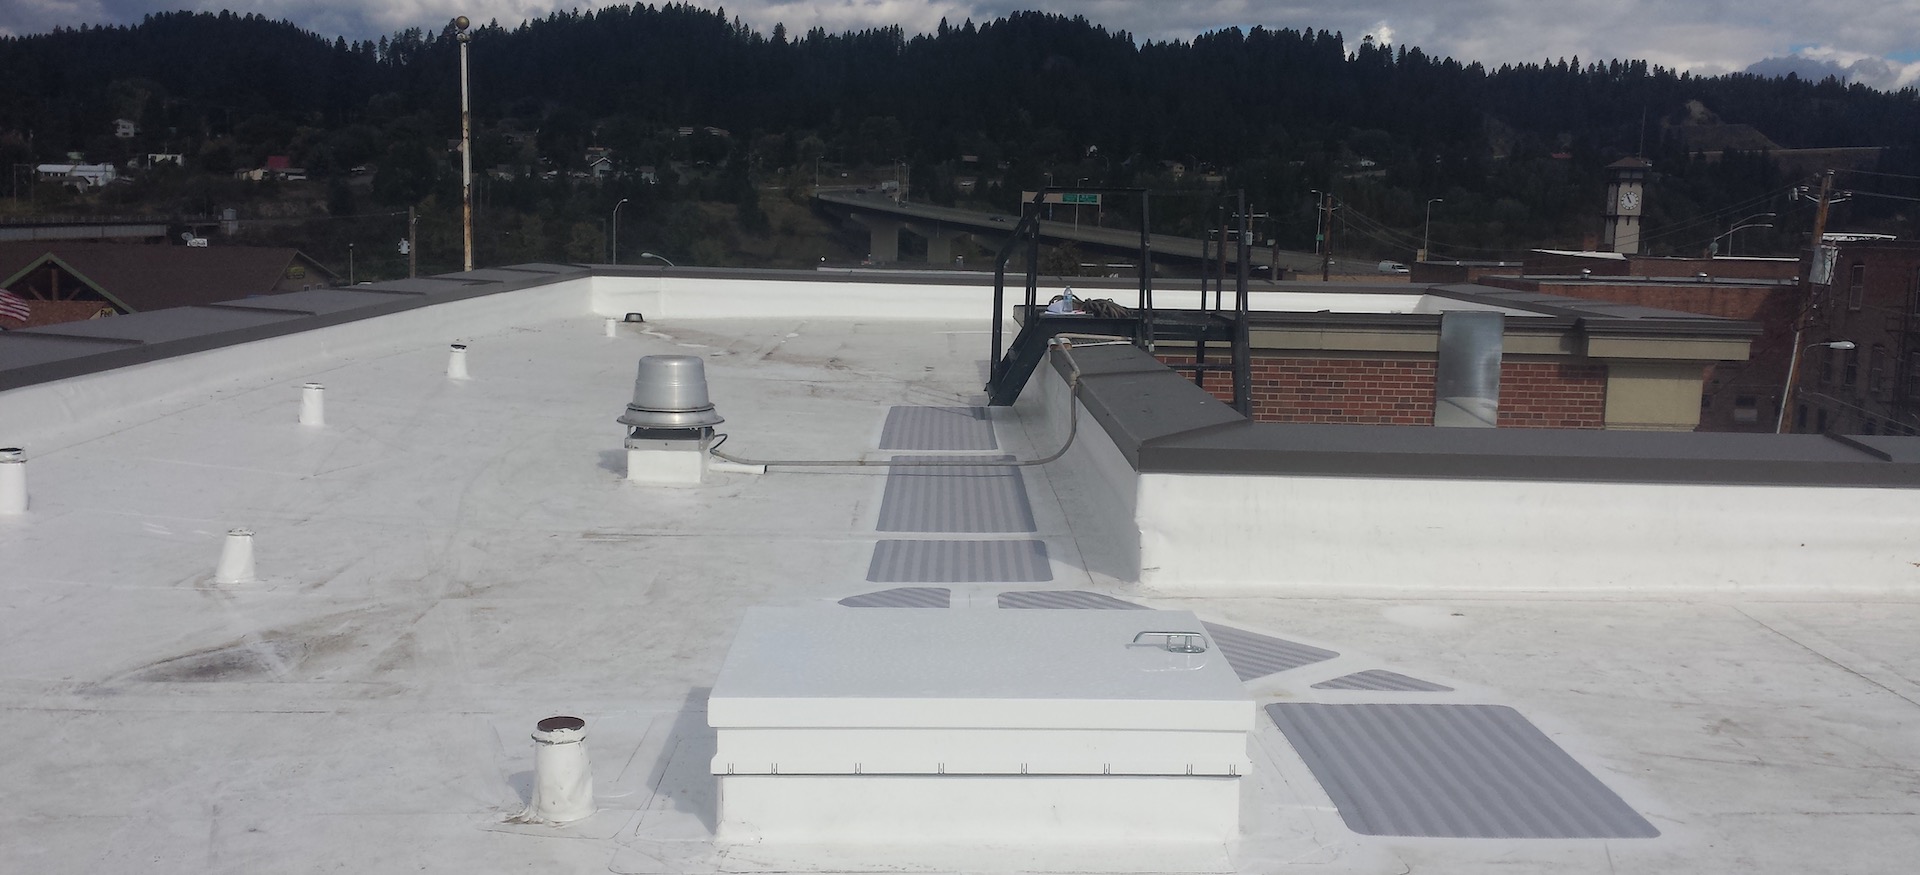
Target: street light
461,34
1076,205
1793,367
651,255
614,243
1714,245
1426,235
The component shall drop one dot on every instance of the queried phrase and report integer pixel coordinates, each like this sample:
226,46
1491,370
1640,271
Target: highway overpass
884,219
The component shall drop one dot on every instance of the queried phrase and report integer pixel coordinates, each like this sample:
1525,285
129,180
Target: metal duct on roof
1467,379
670,392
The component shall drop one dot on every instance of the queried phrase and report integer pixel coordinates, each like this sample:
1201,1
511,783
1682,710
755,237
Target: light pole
461,33
651,255
1740,225
1076,204
614,243
1793,367
1426,235
349,264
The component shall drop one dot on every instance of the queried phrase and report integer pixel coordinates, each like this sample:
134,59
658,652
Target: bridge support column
883,237
939,241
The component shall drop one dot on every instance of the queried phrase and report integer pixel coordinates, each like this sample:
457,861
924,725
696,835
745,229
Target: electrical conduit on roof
1073,429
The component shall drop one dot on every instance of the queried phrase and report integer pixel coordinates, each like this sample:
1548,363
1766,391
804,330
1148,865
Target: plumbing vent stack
457,362
236,558
13,481
613,328
313,404
670,421
562,779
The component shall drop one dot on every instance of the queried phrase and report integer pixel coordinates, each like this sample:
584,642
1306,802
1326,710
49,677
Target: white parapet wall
1223,533
1266,533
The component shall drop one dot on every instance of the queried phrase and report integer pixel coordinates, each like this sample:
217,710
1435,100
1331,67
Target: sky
1875,42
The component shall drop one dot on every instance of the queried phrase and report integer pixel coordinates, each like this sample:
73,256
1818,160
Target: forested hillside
735,124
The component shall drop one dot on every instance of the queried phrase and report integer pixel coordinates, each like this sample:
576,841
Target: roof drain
13,481
313,405
670,421
236,558
1060,345
562,778
457,362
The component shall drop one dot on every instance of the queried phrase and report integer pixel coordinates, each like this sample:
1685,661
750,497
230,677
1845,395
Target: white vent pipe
457,362
13,481
313,405
613,328
562,779
236,558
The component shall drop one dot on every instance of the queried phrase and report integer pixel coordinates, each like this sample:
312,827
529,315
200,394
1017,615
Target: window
1856,285
1850,368
1820,420
1872,425
1746,409
1826,364
1913,299
1913,375
1800,418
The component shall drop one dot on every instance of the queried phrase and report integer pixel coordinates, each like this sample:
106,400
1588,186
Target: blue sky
1872,41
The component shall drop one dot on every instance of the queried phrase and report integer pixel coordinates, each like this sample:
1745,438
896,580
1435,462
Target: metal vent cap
670,391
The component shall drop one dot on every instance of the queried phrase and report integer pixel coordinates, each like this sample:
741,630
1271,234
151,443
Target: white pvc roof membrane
445,563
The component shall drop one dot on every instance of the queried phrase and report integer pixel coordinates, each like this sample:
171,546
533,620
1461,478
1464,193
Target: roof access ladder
1143,325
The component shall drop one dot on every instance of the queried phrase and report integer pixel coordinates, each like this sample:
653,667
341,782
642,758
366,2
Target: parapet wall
1221,505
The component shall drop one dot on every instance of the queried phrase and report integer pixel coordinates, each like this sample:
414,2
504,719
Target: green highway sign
1075,197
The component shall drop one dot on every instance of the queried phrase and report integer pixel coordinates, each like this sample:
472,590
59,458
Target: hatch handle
1177,642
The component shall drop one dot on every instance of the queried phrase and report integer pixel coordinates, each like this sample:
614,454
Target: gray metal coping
1163,424
30,356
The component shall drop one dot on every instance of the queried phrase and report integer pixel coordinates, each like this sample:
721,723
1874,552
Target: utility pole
413,244
1800,319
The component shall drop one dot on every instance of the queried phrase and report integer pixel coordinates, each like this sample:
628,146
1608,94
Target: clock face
1629,200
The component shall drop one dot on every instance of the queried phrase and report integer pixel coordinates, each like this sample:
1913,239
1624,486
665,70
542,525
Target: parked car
1393,267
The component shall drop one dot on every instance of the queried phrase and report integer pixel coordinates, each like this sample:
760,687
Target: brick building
72,281
1564,363
1873,300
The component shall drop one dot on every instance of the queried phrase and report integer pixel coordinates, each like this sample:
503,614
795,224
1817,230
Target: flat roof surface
445,563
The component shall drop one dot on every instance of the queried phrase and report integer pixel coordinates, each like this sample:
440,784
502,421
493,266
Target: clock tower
1626,181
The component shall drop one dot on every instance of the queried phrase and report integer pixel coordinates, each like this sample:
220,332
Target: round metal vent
670,391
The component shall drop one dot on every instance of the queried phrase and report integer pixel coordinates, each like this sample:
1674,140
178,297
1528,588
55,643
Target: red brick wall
1400,391
1552,395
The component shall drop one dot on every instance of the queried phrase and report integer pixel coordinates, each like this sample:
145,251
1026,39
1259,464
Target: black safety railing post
1146,270
1242,340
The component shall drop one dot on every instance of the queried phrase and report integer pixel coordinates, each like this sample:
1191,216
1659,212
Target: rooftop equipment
670,420
13,481
562,777
1038,728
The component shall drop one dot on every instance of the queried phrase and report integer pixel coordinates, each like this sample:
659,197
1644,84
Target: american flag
13,306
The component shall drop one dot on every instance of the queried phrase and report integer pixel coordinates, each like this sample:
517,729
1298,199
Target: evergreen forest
715,135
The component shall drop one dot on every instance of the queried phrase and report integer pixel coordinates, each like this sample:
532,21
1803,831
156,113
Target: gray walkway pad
938,428
958,500
902,597
1253,655
1451,771
1066,599
1381,680
960,562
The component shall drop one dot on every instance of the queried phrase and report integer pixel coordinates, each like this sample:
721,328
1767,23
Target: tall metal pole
614,248
1426,234
1326,250
460,26
413,244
